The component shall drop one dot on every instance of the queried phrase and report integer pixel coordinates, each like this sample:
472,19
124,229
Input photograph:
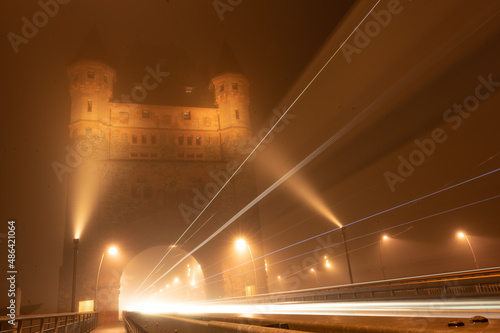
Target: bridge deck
111,328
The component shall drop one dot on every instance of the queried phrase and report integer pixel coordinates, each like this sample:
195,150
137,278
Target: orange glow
305,192
241,244
113,250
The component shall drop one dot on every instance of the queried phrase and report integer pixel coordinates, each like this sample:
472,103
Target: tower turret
91,88
231,90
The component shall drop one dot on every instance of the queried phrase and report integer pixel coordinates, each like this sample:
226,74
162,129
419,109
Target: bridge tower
141,173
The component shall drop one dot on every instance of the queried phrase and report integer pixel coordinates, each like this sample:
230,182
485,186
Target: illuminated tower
231,90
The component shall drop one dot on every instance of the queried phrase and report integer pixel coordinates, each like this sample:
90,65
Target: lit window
189,140
145,113
134,138
237,113
235,86
221,88
89,106
188,89
198,140
144,139
153,139
90,75
187,115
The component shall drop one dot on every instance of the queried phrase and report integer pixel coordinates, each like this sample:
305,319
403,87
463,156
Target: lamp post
316,276
76,243
463,235
384,238
342,229
112,251
241,244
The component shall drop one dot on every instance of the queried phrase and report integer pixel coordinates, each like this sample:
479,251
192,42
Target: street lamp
76,243
112,251
316,276
384,238
241,245
342,229
463,235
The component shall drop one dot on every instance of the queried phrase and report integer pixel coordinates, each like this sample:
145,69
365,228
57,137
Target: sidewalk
111,328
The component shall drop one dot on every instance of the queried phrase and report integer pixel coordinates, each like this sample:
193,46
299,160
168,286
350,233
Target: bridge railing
467,284
82,322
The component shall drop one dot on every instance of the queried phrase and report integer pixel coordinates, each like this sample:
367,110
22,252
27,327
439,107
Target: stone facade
146,171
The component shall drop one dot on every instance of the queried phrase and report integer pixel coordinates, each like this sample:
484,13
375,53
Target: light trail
351,251
270,189
265,137
442,307
403,81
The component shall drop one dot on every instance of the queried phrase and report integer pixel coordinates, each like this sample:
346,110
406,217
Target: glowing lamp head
461,235
312,270
113,250
241,244
385,237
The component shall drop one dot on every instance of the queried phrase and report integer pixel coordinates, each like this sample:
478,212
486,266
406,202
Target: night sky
430,58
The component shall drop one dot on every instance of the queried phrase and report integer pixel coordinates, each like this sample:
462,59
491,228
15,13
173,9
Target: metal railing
83,322
480,283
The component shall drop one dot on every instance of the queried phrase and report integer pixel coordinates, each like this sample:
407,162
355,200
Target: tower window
124,137
153,139
105,78
221,88
144,139
198,140
187,115
90,75
89,106
237,113
88,131
134,138
189,140
235,86
145,113
180,140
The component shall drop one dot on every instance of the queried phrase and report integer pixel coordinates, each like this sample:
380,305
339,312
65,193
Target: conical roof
93,48
227,62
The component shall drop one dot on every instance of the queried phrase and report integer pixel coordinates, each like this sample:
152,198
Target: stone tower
146,170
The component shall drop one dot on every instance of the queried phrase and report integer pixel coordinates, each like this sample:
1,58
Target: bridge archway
146,279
